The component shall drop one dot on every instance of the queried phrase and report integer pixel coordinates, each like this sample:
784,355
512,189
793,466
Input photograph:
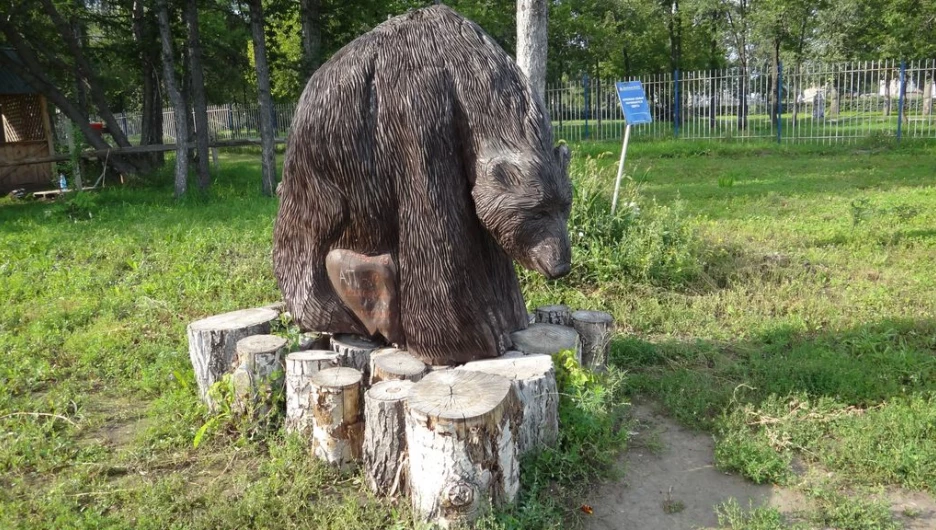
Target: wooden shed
26,134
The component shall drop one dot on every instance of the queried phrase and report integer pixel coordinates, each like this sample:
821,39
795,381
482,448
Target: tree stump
397,365
595,329
313,340
548,339
385,437
553,314
461,432
338,426
259,358
355,351
534,380
213,343
300,367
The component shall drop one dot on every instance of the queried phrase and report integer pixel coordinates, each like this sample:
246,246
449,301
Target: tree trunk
595,329
532,42
354,351
397,366
461,431
385,437
151,132
258,374
742,99
928,97
178,103
534,379
548,339
267,140
553,314
300,367
338,430
310,16
199,103
213,343
887,94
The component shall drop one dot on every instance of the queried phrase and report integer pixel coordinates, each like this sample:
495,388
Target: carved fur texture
423,140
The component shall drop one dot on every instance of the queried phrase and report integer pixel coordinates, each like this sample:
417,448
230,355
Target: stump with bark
548,339
300,367
337,413
258,373
213,342
385,456
553,314
534,380
395,366
355,351
595,329
461,432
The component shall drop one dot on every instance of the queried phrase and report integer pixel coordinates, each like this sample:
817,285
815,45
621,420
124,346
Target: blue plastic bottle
62,184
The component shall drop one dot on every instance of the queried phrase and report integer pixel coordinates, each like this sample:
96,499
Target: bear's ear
563,155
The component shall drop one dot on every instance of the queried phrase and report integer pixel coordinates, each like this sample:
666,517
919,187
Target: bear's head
524,202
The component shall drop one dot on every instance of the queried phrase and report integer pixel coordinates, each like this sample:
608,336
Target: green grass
791,312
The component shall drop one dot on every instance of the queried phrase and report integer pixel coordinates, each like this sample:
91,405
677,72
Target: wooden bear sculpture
419,164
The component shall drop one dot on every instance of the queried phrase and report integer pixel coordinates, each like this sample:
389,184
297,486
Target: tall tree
145,34
267,140
310,16
199,103
532,42
178,103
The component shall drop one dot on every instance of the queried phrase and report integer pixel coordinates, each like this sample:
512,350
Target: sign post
636,111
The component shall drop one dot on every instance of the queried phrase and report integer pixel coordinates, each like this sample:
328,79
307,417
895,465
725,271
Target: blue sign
633,102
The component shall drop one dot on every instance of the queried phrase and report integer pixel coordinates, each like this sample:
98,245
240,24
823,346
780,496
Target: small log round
313,340
338,426
213,343
354,351
553,314
461,432
396,366
300,367
373,358
534,380
595,329
548,339
385,437
258,374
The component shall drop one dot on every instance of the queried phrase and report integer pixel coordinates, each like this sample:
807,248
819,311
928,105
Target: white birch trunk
461,432
532,42
355,352
258,373
534,380
300,367
553,314
213,343
338,426
547,338
396,366
595,329
385,437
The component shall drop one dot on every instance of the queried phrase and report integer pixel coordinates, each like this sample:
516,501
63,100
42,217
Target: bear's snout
552,257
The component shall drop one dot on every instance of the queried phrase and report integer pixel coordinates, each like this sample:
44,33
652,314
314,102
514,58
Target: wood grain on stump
355,351
548,339
397,365
553,314
337,412
534,380
258,373
595,329
213,343
461,431
300,367
385,437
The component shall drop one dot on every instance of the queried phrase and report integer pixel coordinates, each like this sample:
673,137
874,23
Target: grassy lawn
781,297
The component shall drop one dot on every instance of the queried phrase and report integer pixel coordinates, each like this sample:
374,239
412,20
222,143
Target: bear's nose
559,270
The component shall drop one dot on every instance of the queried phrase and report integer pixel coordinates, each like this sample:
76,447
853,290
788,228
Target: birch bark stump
397,365
338,427
300,367
534,380
547,338
553,314
595,329
213,343
385,437
355,351
461,432
259,357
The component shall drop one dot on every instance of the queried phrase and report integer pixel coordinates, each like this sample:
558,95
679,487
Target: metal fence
823,103
819,102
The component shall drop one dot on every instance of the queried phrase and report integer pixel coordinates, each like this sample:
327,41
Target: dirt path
671,483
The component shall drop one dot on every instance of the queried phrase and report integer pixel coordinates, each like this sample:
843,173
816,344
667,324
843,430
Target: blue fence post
676,103
587,105
779,101
902,90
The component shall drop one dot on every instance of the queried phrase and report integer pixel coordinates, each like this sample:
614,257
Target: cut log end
337,378
458,396
553,314
548,339
397,365
234,320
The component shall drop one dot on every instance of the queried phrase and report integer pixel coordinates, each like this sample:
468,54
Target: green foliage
732,517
